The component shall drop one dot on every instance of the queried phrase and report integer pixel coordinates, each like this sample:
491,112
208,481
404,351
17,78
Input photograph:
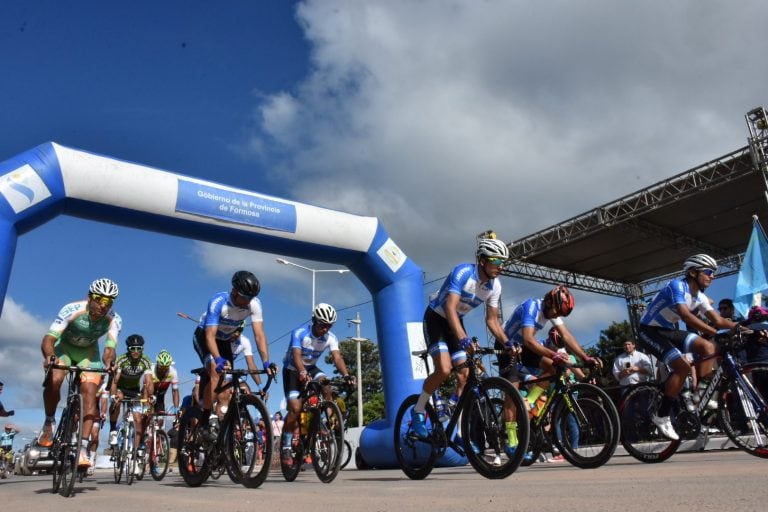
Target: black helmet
134,340
245,283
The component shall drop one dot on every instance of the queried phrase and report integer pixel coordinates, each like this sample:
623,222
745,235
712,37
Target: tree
373,391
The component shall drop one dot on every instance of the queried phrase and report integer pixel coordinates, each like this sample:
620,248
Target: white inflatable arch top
51,179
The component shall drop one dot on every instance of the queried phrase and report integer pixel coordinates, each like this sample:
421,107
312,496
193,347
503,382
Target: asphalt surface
708,480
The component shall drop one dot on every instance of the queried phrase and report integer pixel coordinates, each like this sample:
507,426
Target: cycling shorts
82,357
291,385
666,344
440,337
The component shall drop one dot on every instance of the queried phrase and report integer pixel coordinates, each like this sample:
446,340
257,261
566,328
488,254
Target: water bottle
304,422
688,400
441,409
452,402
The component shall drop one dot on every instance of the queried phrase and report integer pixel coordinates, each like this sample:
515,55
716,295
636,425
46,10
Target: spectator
3,412
757,344
632,367
726,310
277,424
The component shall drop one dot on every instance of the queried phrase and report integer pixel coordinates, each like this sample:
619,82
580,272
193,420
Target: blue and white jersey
311,346
241,346
227,317
465,282
662,312
527,314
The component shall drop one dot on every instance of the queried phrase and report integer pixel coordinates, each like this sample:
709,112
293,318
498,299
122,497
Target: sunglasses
496,261
707,272
135,349
102,299
324,325
249,298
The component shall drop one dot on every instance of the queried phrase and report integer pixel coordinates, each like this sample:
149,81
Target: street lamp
357,339
314,271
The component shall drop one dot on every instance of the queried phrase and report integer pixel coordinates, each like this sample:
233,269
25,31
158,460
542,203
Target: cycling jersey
311,346
6,439
131,371
465,282
227,317
662,312
528,314
77,336
169,380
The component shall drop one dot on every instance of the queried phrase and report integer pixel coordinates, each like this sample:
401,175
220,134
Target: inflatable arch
52,179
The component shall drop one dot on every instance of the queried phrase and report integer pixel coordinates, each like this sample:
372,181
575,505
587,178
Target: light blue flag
752,275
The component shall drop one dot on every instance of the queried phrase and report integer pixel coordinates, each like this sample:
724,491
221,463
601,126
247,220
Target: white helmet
105,287
492,248
324,313
698,261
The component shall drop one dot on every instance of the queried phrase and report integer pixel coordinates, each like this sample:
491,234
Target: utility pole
357,339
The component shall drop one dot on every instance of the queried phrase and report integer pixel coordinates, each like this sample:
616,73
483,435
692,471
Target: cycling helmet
757,314
324,313
699,261
561,299
134,340
164,358
492,248
555,338
105,287
245,283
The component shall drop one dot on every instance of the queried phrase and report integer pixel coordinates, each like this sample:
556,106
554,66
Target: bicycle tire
242,450
483,427
160,449
416,456
326,439
346,454
291,468
57,451
130,453
73,437
589,435
194,465
639,436
117,455
744,420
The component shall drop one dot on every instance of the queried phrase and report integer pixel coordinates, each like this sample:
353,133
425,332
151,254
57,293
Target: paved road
712,480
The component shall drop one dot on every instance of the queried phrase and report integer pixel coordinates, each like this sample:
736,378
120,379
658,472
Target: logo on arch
23,188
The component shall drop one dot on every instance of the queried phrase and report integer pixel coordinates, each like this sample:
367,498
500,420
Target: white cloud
20,357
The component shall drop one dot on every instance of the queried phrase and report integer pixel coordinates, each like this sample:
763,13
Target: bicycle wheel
639,435
326,439
743,412
484,432
141,460
117,460
417,456
587,431
194,465
129,454
73,437
241,442
346,454
58,452
159,450
292,465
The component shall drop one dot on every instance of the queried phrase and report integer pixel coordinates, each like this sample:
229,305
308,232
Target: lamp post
314,271
357,339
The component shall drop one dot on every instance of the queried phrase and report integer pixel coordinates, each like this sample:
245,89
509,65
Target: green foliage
373,391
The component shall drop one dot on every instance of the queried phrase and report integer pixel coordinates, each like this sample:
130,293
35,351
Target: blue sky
442,119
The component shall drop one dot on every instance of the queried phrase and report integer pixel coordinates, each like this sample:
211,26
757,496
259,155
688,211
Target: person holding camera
632,367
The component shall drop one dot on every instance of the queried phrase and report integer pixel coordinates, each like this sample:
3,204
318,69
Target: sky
441,118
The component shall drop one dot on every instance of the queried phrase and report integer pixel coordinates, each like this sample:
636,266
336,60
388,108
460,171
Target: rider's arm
452,315
694,322
113,391
338,360
108,356
573,346
46,346
176,398
492,321
298,362
261,340
718,321
210,341
532,344
252,367
149,384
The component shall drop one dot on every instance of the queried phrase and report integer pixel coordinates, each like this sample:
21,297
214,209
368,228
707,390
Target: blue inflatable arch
52,179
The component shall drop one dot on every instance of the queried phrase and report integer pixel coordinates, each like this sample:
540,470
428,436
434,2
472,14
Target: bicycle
158,447
321,436
234,447
484,406
7,466
742,409
342,392
582,417
68,437
125,457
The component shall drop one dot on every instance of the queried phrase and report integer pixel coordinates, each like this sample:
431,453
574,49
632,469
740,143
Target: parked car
36,459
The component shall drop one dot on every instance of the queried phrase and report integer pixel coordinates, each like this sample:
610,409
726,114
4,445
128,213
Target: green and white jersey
131,372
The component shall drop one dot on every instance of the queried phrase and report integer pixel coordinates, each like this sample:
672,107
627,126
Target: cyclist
661,336
308,342
133,379
6,443
73,339
466,287
521,327
164,376
212,339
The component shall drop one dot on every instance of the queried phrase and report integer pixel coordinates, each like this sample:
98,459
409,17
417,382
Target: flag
753,275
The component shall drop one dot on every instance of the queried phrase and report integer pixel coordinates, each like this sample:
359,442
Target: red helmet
555,338
561,299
